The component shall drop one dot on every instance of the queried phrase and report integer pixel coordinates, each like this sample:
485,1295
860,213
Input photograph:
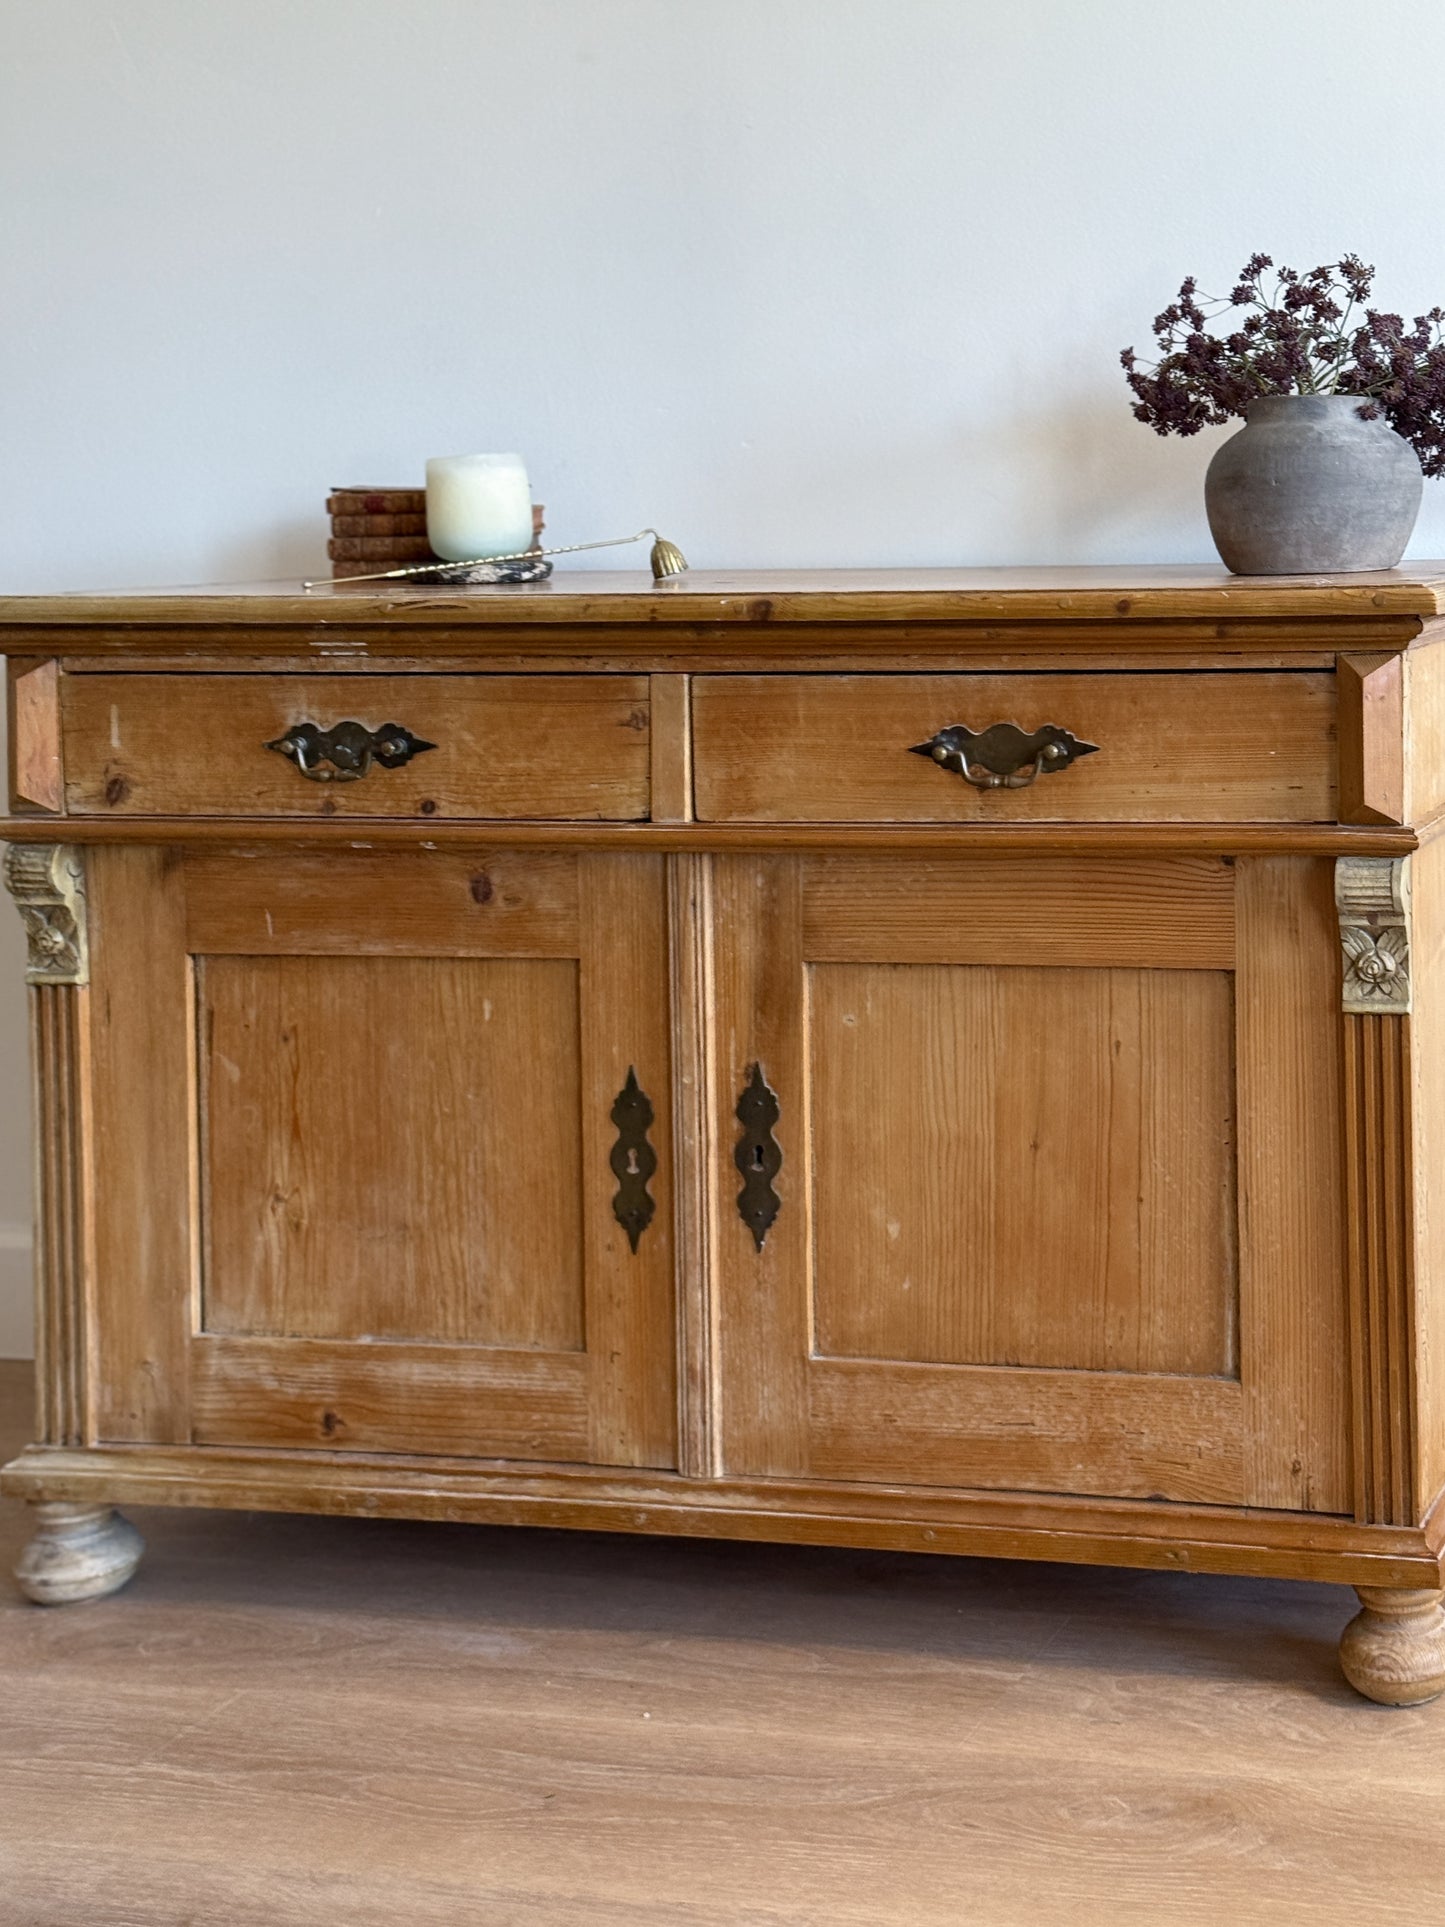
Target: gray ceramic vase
1307,488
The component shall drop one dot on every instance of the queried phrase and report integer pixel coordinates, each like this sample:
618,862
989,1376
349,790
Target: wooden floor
366,1724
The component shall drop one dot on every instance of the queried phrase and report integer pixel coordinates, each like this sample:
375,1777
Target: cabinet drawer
498,746
1226,747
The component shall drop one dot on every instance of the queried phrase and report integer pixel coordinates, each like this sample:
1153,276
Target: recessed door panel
373,1129
1029,1166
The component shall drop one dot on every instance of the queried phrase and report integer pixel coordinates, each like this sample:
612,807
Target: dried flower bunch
1302,334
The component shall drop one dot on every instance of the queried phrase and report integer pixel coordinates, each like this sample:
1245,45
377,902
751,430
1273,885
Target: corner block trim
1372,896
47,881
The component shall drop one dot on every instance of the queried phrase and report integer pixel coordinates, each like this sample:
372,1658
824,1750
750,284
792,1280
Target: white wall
802,281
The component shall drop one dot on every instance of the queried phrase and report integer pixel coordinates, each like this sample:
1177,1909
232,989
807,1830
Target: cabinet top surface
1154,592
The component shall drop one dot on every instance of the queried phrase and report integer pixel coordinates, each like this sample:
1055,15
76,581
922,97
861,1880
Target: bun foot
1393,1650
78,1552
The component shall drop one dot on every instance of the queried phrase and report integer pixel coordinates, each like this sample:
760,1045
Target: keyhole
758,1157
631,1163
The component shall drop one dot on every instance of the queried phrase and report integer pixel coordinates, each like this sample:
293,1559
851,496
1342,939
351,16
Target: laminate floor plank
286,1721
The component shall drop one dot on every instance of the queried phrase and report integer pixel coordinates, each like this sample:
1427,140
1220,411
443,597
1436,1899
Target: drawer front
1228,747
497,746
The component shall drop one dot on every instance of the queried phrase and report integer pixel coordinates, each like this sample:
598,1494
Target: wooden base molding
886,1517
78,1552
1393,1650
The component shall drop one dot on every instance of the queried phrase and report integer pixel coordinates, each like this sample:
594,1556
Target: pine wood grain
670,700
372,1130
1168,1534
34,726
483,902
1121,1434
1073,911
965,1214
822,749
1090,594
259,834
691,950
666,649
1427,1106
544,746
413,1398
1294,1338
59,1044
1372,737
762,1316
631,1317
1424,729
1380,1260
142,1084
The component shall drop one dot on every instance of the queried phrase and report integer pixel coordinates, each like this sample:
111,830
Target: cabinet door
365,1124
1043,1154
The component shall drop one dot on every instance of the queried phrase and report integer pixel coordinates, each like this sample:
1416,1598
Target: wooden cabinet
947,1063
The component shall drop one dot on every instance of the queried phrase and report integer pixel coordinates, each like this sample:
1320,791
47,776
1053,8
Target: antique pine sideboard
948,1061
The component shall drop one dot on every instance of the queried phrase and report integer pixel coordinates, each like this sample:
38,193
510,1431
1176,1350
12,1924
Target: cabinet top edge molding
752,597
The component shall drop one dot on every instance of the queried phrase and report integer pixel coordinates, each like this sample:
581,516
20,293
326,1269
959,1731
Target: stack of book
373,529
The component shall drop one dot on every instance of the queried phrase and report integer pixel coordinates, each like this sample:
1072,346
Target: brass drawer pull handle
1003,756
349,749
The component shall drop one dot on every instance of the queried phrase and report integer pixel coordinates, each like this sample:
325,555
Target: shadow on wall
292,551
1089,480
1055,486
1068,484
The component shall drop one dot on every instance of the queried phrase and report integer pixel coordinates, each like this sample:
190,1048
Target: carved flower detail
1377,965
51,931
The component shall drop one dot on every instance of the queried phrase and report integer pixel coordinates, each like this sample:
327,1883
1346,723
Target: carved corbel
1372,895
47,881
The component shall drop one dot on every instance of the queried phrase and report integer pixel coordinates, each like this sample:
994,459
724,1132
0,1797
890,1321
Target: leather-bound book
376,501
374,525
379,548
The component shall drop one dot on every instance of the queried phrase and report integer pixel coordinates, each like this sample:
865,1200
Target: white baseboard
17,1293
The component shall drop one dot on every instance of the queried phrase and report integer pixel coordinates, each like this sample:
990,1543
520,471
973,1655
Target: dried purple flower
1299,337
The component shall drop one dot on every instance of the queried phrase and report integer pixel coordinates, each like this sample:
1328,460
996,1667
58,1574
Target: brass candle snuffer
666,559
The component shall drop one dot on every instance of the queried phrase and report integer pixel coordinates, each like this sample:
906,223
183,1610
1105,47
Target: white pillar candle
478,505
